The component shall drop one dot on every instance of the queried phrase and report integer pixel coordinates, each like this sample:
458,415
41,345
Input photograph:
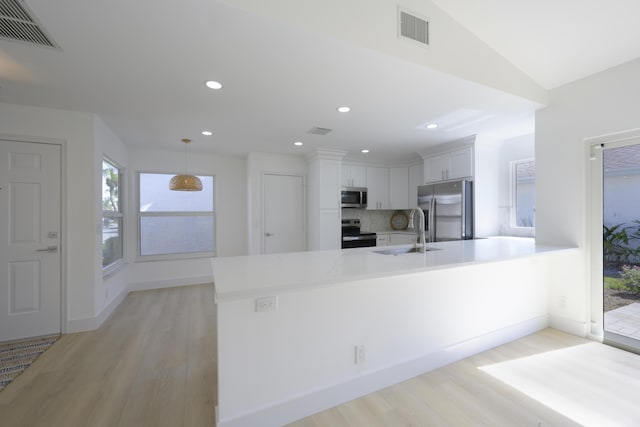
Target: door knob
48,249
268,234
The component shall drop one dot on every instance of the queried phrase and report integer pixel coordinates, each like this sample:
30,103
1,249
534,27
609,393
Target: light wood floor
152,363
579,382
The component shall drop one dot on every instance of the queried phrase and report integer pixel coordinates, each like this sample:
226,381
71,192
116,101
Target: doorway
618,165
30,270
283,213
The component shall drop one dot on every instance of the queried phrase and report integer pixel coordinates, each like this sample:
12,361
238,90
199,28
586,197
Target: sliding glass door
621,244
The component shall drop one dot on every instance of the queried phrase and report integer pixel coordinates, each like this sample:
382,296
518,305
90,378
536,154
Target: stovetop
351,227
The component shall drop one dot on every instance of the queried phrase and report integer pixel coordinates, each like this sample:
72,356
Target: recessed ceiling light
213,85
432,126
365,151
207,133
298,143
344,109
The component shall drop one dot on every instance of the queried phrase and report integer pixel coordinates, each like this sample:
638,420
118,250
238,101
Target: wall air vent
18,23
319,131
413,28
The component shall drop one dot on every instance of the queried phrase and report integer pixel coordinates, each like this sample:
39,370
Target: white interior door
283,213
30,180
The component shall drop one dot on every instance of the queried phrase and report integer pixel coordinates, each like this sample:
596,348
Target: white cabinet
415,180
378,188
460,164
329,229
323,226
435,168
329,188
399,188
456,164
354,176
402,238
392,239
382,240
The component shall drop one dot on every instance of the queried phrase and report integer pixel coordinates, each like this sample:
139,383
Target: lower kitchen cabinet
382,239
402,238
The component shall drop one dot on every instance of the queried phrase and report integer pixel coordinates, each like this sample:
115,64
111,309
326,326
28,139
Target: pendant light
185,182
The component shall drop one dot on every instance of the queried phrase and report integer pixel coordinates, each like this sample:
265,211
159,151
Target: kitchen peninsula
301,332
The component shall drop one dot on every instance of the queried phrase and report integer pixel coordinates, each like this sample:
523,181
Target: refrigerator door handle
432,218
463,212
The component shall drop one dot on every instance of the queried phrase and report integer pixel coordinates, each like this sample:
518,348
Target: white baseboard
318,400
161,284
93,323
109,309
569,326
81,325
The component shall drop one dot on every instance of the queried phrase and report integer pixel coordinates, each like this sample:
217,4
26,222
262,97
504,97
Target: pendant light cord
185,157
186,141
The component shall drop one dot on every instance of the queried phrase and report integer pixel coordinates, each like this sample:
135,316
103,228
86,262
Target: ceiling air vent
17,23
319,131
413,28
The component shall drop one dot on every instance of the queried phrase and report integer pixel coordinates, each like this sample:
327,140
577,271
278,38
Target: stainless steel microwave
354,197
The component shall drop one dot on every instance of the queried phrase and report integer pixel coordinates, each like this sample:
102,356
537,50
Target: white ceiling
141,66
554,42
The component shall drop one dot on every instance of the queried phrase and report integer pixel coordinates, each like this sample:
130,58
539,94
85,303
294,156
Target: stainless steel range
352,237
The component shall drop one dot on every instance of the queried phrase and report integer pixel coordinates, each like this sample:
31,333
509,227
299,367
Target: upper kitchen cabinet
378,186
416,173
452,165
354,176
399,188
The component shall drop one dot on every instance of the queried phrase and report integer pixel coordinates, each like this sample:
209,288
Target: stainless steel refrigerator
448,209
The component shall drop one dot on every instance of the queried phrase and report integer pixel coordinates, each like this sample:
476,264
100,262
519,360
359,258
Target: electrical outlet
266,303
563,302
361,354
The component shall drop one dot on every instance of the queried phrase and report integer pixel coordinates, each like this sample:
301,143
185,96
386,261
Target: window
174,224
111,216
524,184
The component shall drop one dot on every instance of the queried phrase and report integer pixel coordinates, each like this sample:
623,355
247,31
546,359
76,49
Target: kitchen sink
400,251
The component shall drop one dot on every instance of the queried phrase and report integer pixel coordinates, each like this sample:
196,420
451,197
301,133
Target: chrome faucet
421,243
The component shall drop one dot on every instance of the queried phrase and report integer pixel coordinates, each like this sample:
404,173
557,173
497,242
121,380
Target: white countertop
260,275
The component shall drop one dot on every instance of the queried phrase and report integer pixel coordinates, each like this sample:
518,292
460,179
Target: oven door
358,241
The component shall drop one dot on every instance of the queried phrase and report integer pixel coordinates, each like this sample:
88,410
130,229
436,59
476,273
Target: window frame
118,263
179,255
513,222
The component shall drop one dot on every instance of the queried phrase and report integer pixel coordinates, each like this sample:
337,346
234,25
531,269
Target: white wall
602,104
257,165
230,208
520,148
486,186
76,131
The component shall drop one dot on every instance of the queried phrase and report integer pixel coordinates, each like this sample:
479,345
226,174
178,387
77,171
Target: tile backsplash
370,220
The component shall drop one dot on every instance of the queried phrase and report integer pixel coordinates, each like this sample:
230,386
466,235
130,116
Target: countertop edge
302,287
